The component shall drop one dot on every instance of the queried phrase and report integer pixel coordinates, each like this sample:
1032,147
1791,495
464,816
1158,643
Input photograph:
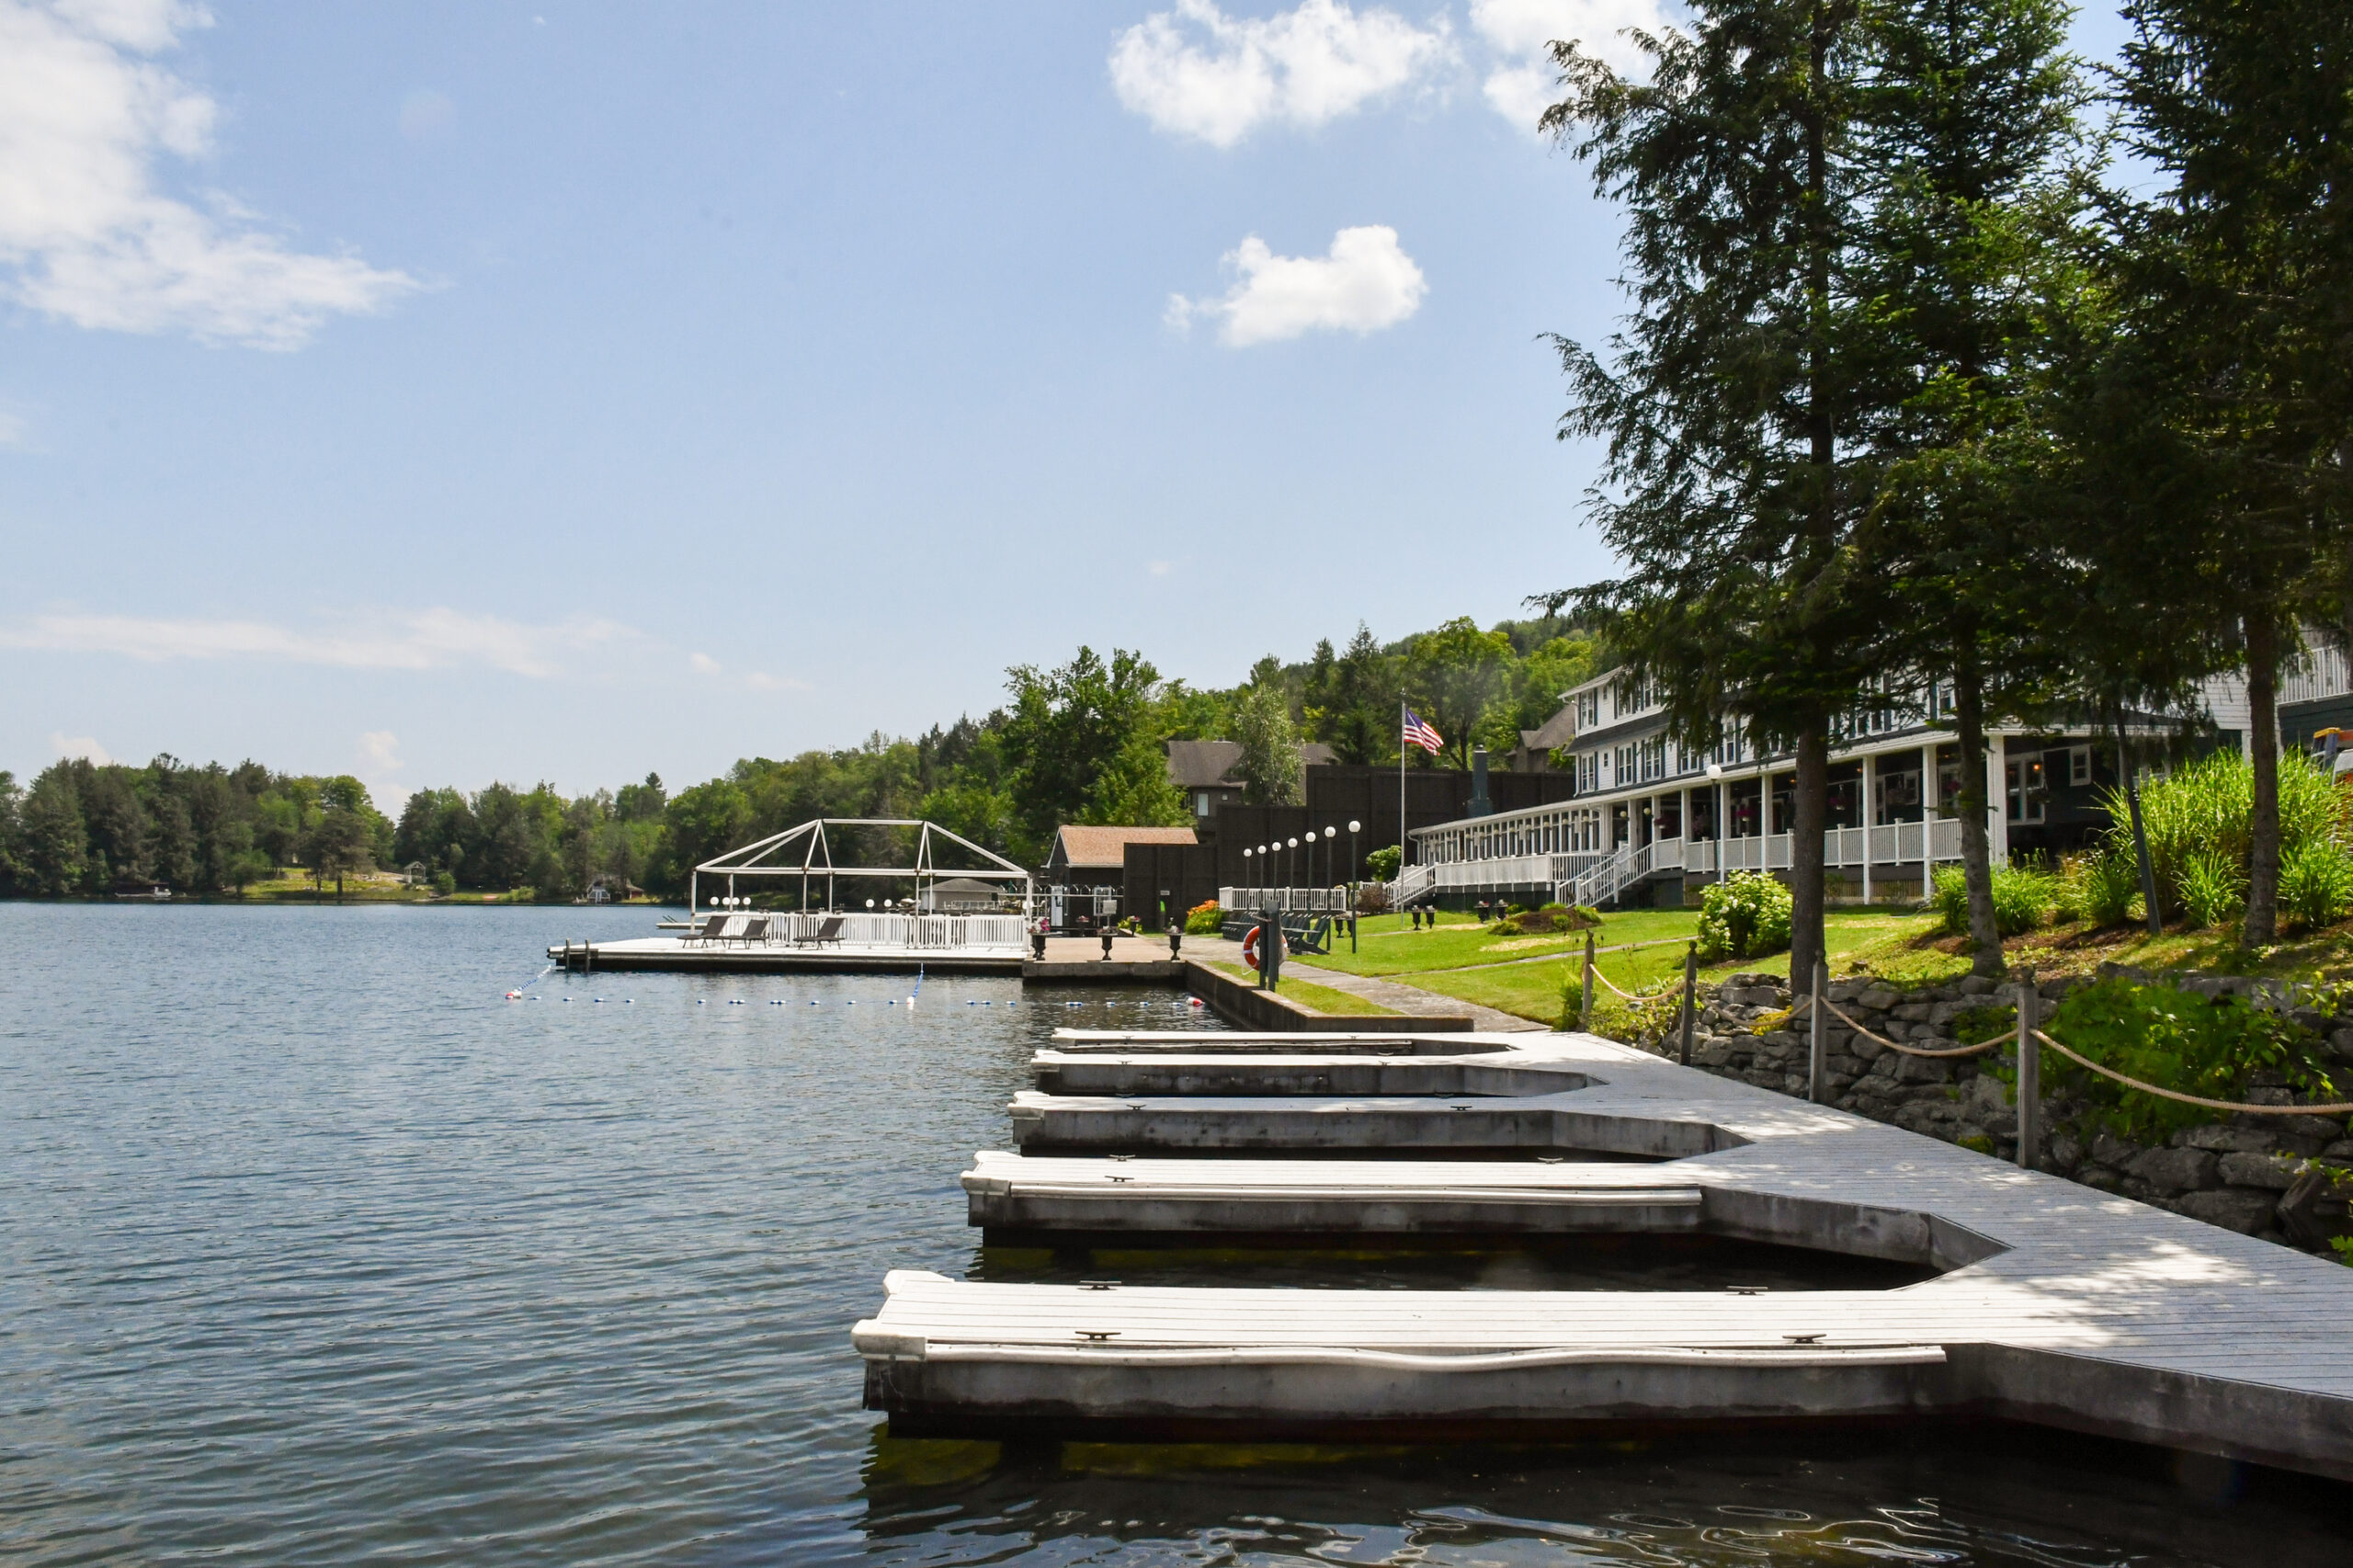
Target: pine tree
2237,286
1969,125
1737,398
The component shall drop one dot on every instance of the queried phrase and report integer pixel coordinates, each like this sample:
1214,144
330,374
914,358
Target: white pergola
774,857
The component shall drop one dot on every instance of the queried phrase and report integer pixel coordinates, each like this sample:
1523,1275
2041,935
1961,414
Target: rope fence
2243,1109
2002,1038
1805,1006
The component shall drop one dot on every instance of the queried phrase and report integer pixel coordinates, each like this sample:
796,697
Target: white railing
1515,870
1893,845
1414,884
1312,901
1600,883
920,933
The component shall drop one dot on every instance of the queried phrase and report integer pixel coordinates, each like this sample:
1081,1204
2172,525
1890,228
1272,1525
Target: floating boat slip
1315,1073
2056,1303
1014,1193
1394,1124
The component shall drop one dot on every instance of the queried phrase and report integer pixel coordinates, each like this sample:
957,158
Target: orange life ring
1250,946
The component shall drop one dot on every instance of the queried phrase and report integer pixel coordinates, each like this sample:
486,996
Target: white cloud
78,745
1198,71
86,234
414,640
1524,82
380,758
757,681
1367,283
703,664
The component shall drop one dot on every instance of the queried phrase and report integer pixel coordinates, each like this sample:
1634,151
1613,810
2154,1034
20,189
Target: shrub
1371,899
445,882
2197,823
1550,917
2175,1039
2316,882
2023,898
1204,919
2099,886
1744,916
1381,864
2210,885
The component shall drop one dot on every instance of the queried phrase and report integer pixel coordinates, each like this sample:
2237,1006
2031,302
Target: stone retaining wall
2240,1172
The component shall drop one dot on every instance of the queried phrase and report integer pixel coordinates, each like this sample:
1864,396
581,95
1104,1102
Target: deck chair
708,931
830,933
755,931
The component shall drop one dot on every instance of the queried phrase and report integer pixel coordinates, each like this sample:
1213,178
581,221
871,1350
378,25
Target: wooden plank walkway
2060,1304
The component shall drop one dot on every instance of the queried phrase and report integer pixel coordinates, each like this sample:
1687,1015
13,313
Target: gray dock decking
2060,1304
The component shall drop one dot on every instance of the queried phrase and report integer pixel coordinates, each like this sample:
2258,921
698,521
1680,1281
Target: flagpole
1401,795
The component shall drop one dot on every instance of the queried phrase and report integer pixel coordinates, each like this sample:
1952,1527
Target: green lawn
1387,944
1306,992
1534,990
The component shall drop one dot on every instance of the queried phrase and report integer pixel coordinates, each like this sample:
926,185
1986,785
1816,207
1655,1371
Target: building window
2024,789
2079,765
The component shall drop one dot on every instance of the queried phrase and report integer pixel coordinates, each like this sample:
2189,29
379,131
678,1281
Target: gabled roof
1202,764
1209,764
1075,845
1555,733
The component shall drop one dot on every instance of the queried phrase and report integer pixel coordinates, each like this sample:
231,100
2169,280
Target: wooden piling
2029,1074
1585,1008
1690,997
1817,1082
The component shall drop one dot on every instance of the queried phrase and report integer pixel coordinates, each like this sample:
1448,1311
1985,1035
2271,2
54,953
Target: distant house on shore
961,895
1204,772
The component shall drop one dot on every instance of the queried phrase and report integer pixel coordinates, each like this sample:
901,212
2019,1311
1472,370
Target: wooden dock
671,954
2052,1303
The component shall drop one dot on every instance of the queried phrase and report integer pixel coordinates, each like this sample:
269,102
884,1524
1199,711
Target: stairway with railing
1414,884
1599,883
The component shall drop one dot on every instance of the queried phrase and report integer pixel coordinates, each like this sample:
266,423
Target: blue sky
443,393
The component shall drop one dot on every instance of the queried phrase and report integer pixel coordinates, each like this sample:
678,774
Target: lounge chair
755,931
828,934
708,931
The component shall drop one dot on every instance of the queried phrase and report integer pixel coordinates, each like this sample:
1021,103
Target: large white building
1652,820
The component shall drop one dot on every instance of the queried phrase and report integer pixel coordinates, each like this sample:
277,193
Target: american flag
1418,734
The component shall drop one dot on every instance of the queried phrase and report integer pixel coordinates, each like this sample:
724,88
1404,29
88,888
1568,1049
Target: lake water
316,1250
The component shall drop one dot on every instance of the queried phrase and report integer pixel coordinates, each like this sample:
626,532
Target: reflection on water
1975,1495
315,1250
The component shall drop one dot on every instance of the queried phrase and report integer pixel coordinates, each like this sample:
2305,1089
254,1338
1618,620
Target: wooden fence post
1690,997
2029,1076
1817,1088
1584,1011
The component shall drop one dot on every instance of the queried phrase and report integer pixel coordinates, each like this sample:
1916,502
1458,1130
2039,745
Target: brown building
1203,772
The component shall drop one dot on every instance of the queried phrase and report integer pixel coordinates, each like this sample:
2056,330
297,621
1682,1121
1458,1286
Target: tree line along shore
1085,742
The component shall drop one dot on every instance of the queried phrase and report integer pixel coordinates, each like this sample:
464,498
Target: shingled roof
1108,846
1209,765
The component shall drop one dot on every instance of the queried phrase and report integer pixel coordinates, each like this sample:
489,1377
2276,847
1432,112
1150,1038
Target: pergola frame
817,860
